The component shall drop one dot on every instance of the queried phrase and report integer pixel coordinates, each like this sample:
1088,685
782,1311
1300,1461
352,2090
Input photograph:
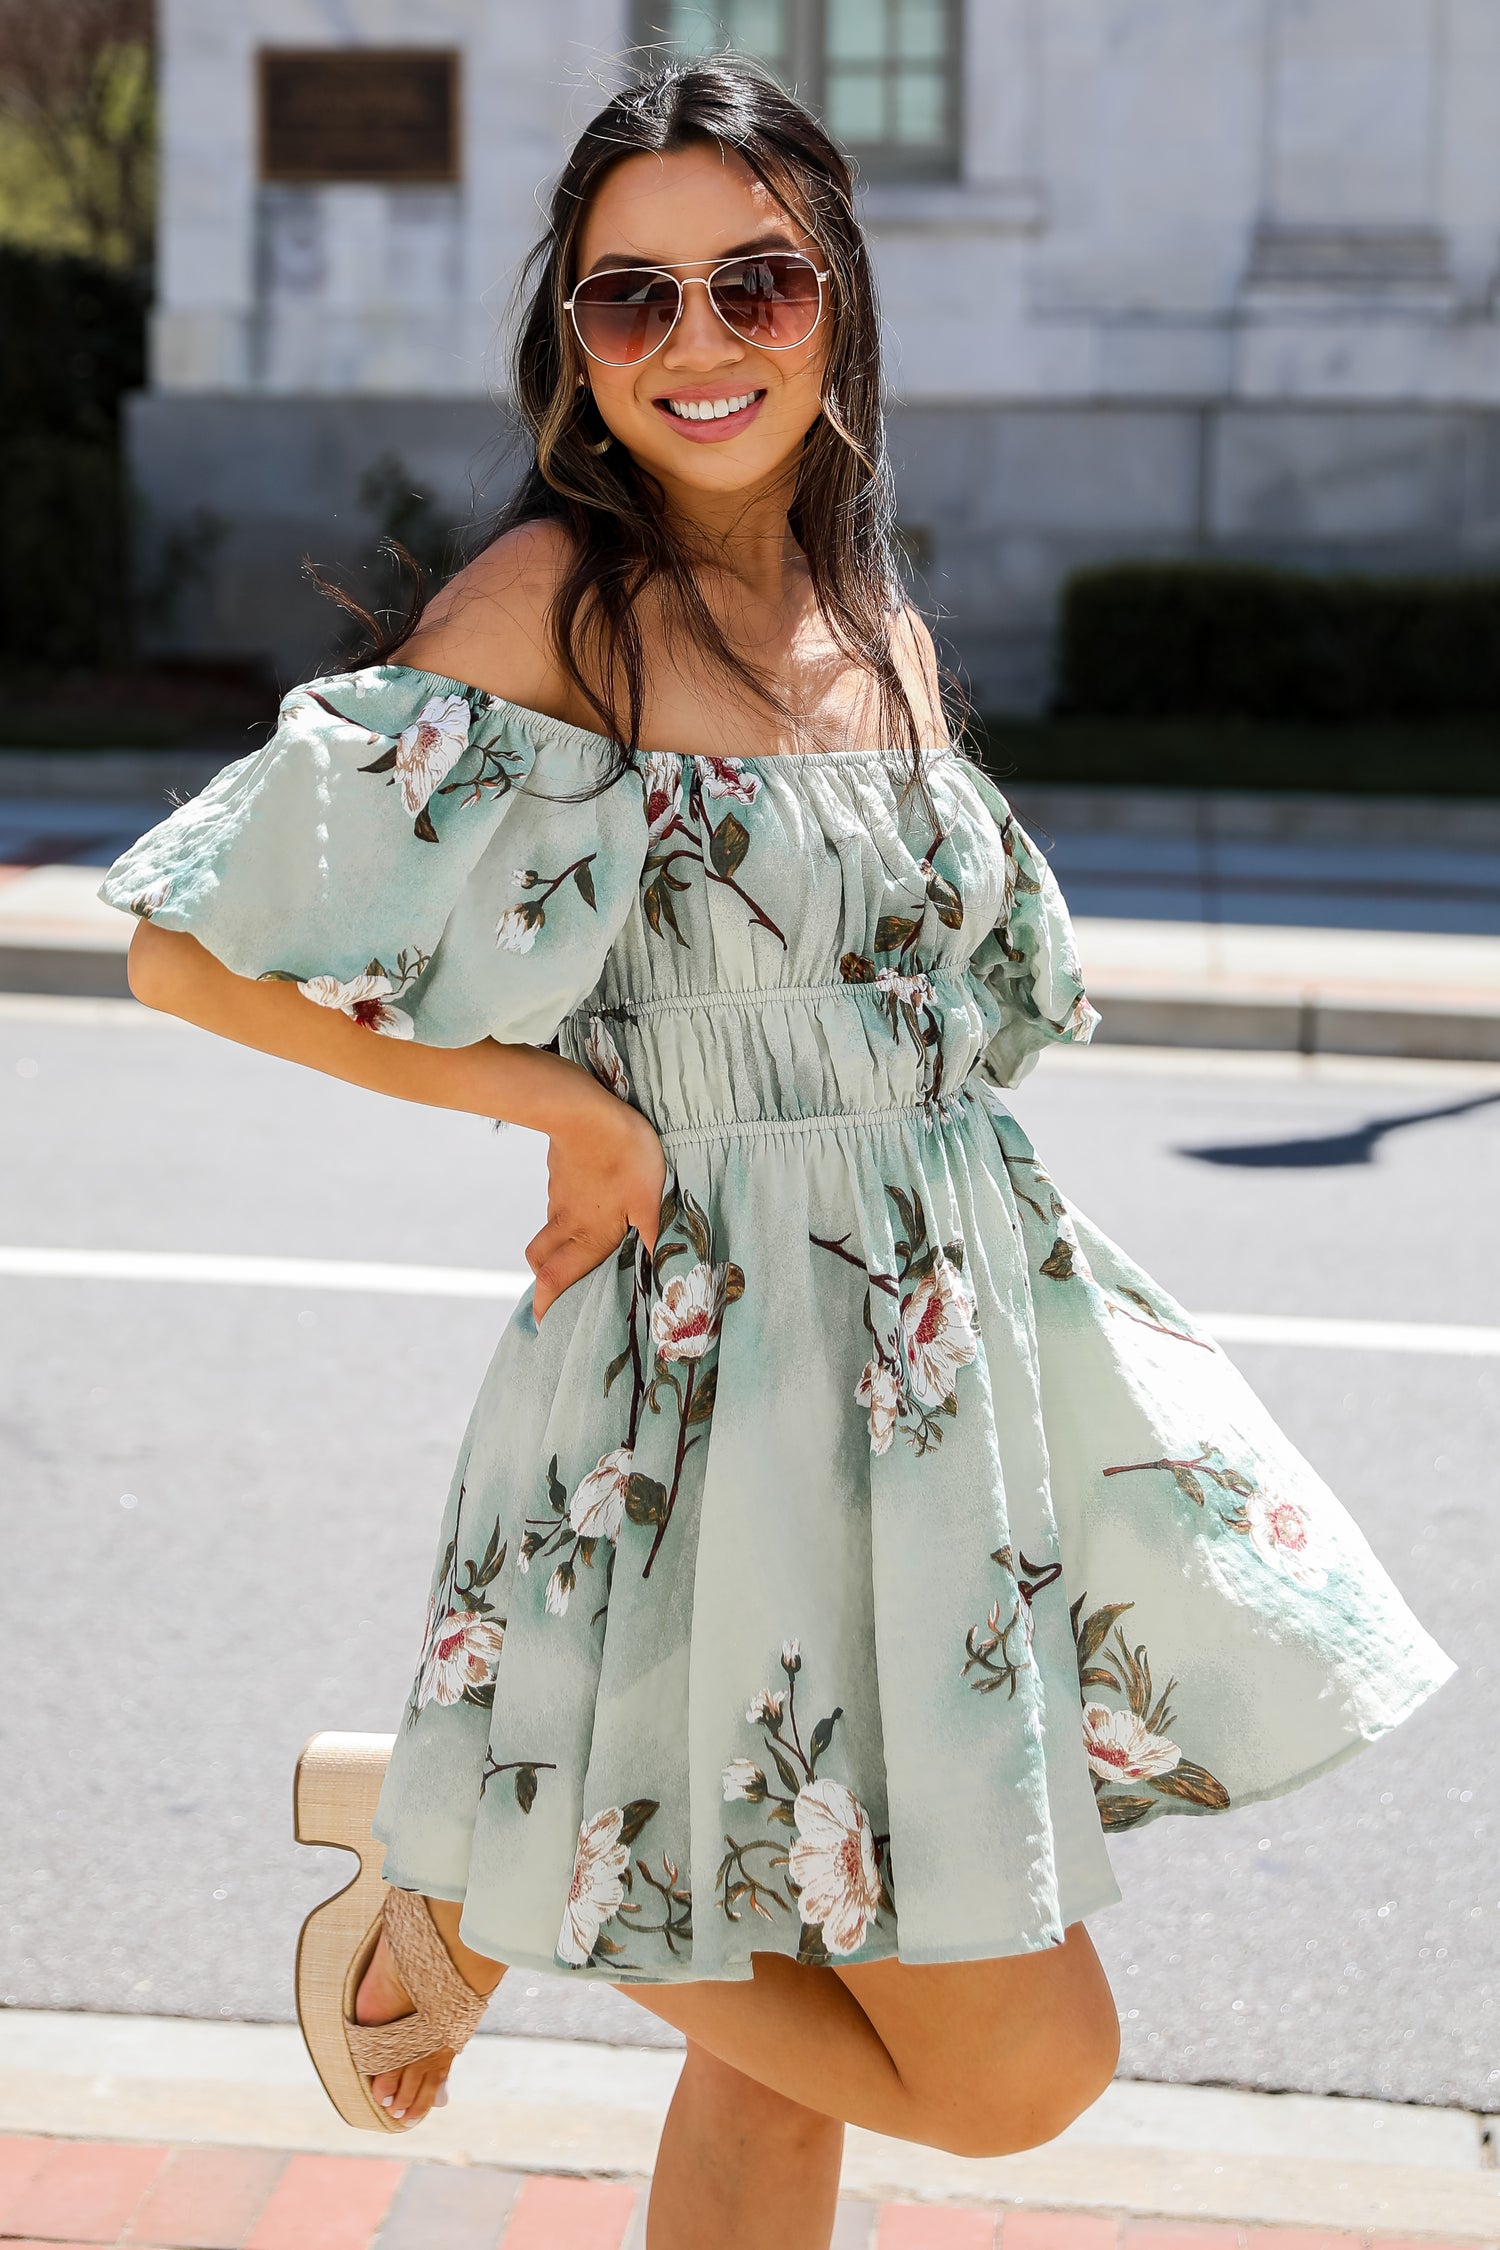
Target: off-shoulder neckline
563,730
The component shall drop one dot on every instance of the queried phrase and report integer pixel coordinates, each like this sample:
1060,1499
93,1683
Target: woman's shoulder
916,661
491,624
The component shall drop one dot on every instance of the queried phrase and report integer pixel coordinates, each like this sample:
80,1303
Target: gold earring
602,447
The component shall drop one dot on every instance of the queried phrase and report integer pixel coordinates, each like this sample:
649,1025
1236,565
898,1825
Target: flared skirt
837,1582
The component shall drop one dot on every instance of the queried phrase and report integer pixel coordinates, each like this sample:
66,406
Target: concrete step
552,2106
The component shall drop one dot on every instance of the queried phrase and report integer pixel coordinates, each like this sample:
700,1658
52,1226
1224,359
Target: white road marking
212,1269
1354,1335
209,1269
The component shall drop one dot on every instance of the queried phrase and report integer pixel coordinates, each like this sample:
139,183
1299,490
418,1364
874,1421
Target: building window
883,74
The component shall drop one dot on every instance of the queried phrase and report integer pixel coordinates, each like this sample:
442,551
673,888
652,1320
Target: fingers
413,2083
558,1257
423,2086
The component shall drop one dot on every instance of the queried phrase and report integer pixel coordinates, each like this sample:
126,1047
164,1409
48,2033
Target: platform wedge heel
334,1794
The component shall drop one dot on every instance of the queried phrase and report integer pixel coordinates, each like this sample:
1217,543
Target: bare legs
741,2167
980,2058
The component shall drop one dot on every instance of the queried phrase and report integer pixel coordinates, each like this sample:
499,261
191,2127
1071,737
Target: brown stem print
1000,1650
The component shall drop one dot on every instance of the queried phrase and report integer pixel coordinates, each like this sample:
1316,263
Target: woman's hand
605,1163
605,1174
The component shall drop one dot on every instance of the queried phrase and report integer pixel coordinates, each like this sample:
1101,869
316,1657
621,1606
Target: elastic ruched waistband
779,1059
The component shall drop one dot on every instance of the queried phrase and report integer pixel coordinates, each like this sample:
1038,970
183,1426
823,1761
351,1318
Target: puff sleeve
397,850
1029,960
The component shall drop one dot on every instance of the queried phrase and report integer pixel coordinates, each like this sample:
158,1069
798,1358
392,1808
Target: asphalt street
219,1507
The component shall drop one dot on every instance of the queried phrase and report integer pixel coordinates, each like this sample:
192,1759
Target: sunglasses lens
623,316
772,300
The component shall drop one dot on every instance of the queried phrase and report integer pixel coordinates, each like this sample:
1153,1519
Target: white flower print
515,932
429,749
939,1331
744,1782
662,775
791,1657
460,1650
1121,1747
1282,1534
833,1865
153,898
559,1586
597,1508
687,1317
365,998
913,991
596,1891
766,1710
603,1058
728,777
879,1390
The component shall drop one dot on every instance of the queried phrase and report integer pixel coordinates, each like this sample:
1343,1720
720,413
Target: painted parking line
210,1269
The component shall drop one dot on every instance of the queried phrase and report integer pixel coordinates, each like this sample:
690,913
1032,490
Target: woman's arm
606,1170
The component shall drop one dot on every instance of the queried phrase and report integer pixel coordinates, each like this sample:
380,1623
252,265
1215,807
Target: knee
1026,2108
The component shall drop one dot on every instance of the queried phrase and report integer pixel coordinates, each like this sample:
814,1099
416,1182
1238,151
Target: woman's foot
410,2093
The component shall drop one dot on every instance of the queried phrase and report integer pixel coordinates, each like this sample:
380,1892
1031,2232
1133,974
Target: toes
384,2088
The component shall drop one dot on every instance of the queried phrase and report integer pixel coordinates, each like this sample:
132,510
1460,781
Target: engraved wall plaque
384,114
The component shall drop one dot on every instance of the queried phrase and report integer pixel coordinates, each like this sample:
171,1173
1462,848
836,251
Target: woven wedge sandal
334,1795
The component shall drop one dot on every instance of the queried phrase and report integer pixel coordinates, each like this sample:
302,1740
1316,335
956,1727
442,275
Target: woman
831,1449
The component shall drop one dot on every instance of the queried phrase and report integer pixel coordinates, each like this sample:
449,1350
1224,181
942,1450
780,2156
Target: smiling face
709,413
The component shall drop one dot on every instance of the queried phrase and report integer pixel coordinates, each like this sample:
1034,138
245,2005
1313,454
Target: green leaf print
834,1872
1282,1530
602,1891
682,835
1000,1651
895,932
525,1771
1131,1750
645,1500
728,844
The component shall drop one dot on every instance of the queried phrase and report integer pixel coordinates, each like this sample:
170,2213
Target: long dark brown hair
622,539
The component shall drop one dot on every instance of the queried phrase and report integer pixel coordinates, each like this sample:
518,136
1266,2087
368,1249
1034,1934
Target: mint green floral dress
835,1581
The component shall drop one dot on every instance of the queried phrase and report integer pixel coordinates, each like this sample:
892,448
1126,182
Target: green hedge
74,342
1156,640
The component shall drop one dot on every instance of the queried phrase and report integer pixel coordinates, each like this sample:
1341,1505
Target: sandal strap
447,2012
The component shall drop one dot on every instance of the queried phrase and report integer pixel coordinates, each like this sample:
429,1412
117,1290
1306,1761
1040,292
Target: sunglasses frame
706,281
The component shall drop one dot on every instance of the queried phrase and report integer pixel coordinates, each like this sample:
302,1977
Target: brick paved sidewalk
80,2195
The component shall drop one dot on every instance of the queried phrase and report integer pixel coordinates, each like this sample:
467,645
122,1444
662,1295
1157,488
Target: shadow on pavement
1328,1150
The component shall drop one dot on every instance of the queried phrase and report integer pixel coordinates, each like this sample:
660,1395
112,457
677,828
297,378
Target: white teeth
708,409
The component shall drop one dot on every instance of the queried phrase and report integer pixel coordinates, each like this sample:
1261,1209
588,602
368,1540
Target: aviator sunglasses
773,300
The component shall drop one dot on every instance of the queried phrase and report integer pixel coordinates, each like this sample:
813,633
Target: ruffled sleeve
1029,960
396,850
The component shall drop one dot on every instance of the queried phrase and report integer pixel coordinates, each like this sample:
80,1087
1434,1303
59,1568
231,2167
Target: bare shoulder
916,660
489,624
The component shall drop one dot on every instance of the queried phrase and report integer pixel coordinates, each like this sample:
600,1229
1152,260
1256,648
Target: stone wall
1220,277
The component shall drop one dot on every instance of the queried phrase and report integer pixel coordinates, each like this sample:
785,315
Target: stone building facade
1161,277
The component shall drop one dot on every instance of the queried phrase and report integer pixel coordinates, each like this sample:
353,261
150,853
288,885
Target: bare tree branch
76,77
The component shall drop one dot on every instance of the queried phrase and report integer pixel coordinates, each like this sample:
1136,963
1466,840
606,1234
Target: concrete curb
1420,996
543,2105
1315,1024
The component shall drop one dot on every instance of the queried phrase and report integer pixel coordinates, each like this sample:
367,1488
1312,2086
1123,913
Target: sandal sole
334,1794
